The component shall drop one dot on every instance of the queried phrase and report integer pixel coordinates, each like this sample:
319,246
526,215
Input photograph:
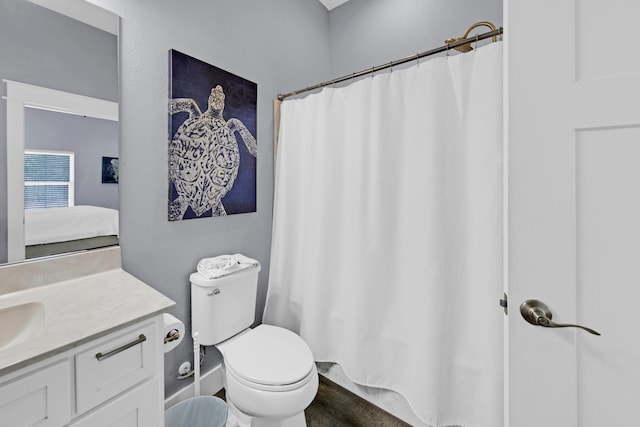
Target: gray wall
281,45
277,44
366,33
89,139
43,48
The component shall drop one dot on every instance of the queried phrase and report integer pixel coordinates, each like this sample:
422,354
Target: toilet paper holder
172,335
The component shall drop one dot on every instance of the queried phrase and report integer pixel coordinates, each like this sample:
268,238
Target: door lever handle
538,313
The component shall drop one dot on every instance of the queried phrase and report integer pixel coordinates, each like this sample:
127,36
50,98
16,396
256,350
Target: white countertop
79,310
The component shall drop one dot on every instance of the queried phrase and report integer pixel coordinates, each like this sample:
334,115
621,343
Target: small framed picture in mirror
109,170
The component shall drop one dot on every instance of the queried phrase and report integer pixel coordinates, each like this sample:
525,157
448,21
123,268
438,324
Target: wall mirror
60,112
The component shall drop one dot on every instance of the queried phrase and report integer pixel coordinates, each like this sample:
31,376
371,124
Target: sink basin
20,323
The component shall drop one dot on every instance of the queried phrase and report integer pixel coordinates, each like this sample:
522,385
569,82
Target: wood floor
336,407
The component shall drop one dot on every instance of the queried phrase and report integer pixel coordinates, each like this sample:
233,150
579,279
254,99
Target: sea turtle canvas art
212,143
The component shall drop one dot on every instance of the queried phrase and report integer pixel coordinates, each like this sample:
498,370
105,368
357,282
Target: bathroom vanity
80,344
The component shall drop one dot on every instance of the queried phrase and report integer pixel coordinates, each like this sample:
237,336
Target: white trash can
200,411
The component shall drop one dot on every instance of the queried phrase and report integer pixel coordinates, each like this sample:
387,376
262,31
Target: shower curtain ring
373,71
477,40
418,59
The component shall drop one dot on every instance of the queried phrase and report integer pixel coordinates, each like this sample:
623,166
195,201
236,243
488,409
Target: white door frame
19,97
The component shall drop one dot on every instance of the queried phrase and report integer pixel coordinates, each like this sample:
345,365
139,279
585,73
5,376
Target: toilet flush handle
216,291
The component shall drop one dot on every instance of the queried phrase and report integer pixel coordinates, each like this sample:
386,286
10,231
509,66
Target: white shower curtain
387,233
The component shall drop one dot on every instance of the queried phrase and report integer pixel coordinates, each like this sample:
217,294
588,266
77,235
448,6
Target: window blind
48,179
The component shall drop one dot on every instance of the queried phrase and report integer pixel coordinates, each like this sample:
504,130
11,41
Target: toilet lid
269,355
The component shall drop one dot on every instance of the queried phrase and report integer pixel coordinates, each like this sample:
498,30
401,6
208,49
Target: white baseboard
211,382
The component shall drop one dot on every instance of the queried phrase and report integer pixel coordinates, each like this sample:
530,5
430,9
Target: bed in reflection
59,230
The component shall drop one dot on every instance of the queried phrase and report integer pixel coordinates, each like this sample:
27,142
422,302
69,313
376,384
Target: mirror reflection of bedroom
71,182
59,153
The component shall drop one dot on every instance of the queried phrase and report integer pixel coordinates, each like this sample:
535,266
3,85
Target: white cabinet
113,365
38,398
136,408
114,380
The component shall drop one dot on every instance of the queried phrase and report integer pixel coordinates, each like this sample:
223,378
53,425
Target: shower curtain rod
415,57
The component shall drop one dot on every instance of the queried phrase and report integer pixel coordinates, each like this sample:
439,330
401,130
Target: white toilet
269,373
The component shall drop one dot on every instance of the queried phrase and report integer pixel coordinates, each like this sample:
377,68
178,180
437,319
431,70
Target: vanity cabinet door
137,408
114,364
39,398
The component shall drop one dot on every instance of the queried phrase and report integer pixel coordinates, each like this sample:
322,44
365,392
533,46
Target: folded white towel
223,265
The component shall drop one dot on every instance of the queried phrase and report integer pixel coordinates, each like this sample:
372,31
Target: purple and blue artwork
110,170
212,140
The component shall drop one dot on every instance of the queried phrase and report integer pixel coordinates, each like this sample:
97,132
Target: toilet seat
271,388
269,358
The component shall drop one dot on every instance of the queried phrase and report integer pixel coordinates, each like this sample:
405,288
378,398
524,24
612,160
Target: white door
573,137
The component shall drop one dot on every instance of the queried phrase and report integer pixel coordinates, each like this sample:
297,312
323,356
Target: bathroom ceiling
330,4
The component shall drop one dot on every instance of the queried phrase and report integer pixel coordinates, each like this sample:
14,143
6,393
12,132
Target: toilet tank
223,307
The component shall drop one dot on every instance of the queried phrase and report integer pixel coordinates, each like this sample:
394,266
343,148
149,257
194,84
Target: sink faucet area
20,323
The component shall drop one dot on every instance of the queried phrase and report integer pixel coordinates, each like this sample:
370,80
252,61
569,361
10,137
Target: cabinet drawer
40,398
141,407
116,363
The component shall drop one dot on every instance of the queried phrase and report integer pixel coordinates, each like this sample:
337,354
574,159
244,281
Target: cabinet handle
101,356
